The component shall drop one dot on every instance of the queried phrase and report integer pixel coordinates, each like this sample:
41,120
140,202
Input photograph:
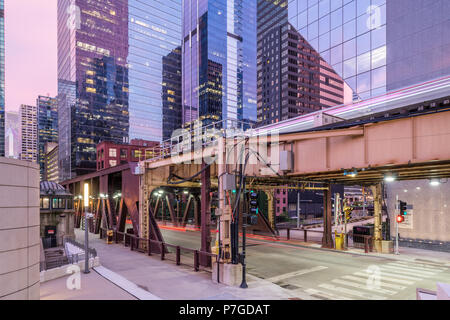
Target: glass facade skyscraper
47,109
293,79
350,35
219,60
119,75
92,80
377,45
154,62
2,78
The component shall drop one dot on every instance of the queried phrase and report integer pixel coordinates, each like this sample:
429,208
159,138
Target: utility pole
397,210
298,209
86,231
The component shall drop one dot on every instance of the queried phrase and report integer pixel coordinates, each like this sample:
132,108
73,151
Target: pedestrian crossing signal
400,218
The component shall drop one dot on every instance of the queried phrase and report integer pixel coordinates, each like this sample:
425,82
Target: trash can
339,239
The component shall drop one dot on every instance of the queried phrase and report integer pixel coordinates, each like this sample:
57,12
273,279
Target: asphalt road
329,275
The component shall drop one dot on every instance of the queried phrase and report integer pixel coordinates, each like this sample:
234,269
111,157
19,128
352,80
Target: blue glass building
219,60
154,63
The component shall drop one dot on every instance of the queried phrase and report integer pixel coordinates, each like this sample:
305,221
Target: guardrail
145,246
367,239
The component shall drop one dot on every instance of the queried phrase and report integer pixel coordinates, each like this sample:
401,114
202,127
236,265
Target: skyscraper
219,60
2,78
47,127
29,133
293,79
119,76
154,62
12,135
377,45
92,80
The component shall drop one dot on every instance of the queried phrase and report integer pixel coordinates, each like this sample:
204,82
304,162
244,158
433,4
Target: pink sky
30,51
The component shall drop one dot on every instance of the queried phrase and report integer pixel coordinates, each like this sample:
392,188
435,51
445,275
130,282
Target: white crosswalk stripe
382,284
352,292
385,277
326,295
418,266
404,270
363,286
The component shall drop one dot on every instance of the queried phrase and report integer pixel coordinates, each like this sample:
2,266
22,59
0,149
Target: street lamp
86,232
389,177
435,182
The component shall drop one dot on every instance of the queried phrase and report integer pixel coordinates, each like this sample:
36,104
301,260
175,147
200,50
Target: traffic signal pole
397,211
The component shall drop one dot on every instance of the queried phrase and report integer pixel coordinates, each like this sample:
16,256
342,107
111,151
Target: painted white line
383,284
419,266
327,295
125,284
405,270
385,277
352,292
363,287
295,274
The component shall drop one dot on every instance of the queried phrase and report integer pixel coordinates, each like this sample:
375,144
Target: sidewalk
166,280
93,287
406,253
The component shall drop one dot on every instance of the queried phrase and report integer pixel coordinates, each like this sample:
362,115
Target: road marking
326,295
383,284
295,274
385,276
418,266
352,292
408,272
364,287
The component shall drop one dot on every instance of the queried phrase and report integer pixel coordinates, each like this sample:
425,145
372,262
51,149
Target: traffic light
400,218
253,203
348,213
252,217
403,206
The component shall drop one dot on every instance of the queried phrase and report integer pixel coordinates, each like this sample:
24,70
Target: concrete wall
417,41
19,229
430,217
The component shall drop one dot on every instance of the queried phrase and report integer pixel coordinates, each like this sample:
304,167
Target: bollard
115,236
149,247
178,255
196,260
163,251
305,235
288,233
131,243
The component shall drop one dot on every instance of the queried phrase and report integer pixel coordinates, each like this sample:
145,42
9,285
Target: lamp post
86,232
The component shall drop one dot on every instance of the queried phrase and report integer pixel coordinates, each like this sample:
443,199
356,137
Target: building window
113,152
112,163
46,203
123,153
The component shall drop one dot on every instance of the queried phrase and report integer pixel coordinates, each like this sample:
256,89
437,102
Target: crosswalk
378,282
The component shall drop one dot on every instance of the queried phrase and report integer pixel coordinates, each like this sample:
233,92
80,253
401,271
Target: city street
329,275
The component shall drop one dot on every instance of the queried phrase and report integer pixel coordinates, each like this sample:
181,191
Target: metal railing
147,246
193,138
366,241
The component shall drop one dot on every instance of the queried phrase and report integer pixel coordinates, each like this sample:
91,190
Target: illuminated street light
434,182
389,177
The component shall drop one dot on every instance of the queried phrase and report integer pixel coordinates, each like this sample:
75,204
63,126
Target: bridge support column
377,207
327,240
205,215
271,207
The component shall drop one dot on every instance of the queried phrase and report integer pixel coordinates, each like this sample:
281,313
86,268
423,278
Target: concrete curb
125,284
